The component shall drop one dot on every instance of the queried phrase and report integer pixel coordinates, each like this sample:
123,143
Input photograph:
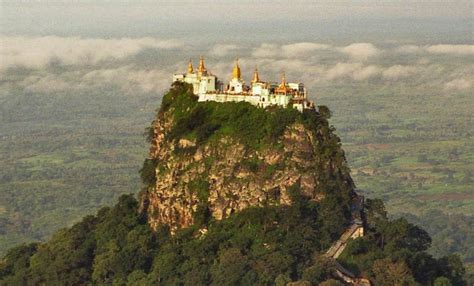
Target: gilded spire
282,87
190,66
201,67
255,76
236,70
283,80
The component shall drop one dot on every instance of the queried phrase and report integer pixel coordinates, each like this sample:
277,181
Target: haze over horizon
221,21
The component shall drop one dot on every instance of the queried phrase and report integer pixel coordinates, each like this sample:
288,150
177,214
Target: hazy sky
243,20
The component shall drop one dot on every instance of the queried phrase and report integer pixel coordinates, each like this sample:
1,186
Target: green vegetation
452,233
252,164
258,246
65,155
393,253
202,121
117,247
412,148
201,187
254,127
148,171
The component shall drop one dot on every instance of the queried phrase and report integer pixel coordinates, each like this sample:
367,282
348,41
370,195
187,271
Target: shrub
201,188
148,171
251,164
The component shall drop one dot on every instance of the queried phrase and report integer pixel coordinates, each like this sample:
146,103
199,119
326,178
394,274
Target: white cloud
409,49
266,51
222,50
399,71
359,71
38,52
366,73
355,71
342,70
360,51
451,49
356,51
302,49
128,79
295,50
437,49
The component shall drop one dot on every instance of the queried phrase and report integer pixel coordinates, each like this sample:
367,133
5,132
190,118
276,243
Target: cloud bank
361,51
39,52
357,51
222,50
127,79
86,63
437,49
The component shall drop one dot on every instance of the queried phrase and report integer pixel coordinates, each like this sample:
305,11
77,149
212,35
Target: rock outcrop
223,176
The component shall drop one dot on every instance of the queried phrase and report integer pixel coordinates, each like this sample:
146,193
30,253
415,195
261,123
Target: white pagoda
260,93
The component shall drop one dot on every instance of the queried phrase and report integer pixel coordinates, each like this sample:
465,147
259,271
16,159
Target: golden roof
236,70
282,87
256,78
283,80
190,66
201,67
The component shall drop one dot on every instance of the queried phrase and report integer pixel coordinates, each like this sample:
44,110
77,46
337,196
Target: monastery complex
260,93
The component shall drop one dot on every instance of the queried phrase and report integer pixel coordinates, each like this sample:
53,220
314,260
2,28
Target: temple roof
236,71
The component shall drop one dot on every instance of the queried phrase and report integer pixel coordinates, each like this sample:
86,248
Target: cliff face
195,179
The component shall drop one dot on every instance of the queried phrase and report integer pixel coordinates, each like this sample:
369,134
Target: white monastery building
260,93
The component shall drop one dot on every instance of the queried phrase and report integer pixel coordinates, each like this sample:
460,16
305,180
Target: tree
324,111
453,268
388,273
15,264
230,268
442,281
319,271
399,234
331,282
282,280
138,278
424,267
375,211
333,215
105,265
